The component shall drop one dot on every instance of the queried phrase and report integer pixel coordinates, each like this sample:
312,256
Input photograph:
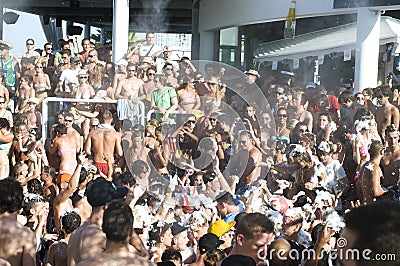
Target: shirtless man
299,112
102,142
386,114
130,87
66,147
68,186
391,159
57,254
246,159
89,240
371,175
41,82
121,73
86,46
118,227
17,242
71,131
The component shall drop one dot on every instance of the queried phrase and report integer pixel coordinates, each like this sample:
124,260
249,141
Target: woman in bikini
66,147
6,138
41,82
24,92
187,97
85,91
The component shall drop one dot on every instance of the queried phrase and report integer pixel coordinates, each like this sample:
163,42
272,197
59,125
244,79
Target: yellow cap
220,227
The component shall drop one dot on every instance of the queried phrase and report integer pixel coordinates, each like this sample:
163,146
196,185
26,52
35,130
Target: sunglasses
213,119
212,84
282,115
191,122
64,57
95,126
38,67
84,77
151,74
69,121
92,55
49,48
168,69
302,130
28,43
2,102
360,98
280,93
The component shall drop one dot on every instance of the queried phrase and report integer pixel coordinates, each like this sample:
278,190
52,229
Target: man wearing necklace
391,159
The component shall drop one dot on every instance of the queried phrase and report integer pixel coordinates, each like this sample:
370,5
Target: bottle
290,23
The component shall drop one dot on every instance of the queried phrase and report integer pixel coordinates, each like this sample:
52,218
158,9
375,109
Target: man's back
17,243
103,141
85,242
109,259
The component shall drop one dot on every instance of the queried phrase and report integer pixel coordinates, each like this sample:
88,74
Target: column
367,48
195,32
120,29
103,35
206,51
1,18
86,31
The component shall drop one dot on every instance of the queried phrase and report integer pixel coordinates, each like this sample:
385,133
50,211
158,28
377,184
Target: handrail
45,109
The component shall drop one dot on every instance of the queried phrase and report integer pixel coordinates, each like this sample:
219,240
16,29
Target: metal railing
45,110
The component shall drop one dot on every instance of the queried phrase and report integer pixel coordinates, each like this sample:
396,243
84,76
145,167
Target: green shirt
162,97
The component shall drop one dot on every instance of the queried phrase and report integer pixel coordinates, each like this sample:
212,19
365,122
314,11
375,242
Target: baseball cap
157,230
252,72
177,228
220,227
64,177
209,242
75,59
238,260
103,191
122,62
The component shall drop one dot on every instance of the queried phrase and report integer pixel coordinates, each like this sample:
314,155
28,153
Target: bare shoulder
107,259
3,262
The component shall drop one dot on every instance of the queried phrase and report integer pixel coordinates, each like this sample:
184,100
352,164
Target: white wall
217,14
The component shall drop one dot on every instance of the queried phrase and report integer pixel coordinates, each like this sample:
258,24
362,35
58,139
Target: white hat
122,62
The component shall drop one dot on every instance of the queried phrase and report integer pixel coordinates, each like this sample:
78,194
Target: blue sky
27,26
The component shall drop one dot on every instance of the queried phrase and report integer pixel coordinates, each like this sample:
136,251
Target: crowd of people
228,168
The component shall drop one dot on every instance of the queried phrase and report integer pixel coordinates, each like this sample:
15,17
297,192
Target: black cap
177,228
103,191
209,242
238,260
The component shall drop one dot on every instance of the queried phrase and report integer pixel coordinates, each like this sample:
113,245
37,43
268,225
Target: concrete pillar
86,31
206,51
195,32
120,29
367,48
1,18
103,36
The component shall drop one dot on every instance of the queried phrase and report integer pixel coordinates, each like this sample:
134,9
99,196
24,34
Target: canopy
323,42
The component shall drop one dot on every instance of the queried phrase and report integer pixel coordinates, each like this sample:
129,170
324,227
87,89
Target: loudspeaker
74,30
